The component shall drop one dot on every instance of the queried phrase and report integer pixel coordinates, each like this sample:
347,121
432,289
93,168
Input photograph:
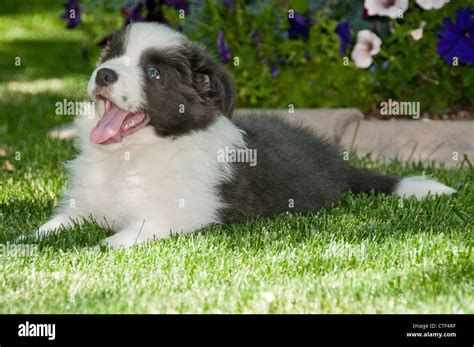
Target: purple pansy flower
72,13
345,38
231,5
155,13
274,68
257,40
365,14
132,11
179,4
222,48
457,39
299,27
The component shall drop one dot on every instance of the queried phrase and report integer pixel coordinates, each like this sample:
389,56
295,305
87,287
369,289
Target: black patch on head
191,92
115,46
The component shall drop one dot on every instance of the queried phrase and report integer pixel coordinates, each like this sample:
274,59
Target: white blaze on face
127,91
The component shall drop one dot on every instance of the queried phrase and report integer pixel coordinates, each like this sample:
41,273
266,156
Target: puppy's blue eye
153,73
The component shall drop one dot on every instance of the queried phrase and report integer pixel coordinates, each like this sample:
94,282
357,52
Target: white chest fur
166,184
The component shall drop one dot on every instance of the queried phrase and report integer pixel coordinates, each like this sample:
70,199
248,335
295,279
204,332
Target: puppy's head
151,77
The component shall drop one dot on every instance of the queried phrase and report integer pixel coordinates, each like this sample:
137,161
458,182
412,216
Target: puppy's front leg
55,223
137,233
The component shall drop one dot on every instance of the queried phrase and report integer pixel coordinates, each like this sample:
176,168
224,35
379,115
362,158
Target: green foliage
416,72
404,70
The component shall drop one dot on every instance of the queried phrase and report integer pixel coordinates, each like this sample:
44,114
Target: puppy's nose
105,76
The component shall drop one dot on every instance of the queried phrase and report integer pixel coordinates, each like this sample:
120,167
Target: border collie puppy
160,155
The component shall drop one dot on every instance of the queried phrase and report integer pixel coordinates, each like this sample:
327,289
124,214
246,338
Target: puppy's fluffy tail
420,187
361,181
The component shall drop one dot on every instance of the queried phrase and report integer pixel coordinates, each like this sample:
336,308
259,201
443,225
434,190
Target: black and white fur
165,178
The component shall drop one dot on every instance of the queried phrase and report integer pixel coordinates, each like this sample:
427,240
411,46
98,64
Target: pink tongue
109,125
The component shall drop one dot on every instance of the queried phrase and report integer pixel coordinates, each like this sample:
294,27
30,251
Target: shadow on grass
31,6
29,117
43,59
23,222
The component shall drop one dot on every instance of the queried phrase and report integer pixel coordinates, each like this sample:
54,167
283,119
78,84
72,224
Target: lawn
365,254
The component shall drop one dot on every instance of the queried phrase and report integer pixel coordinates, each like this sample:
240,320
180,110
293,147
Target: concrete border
443,141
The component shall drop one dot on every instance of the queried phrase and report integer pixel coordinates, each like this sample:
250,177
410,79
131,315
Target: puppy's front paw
53,225
122,239
135,234
48,228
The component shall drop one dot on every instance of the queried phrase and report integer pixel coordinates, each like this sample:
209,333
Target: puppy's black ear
214,84
114,46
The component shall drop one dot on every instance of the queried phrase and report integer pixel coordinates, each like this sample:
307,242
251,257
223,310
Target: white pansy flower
386,8
431,4
367,45
417,34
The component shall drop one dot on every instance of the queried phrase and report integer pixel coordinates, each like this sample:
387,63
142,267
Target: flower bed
308,54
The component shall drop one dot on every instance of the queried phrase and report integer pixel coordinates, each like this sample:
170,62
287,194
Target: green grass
367,253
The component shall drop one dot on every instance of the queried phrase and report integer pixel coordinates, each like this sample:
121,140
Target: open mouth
116,123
